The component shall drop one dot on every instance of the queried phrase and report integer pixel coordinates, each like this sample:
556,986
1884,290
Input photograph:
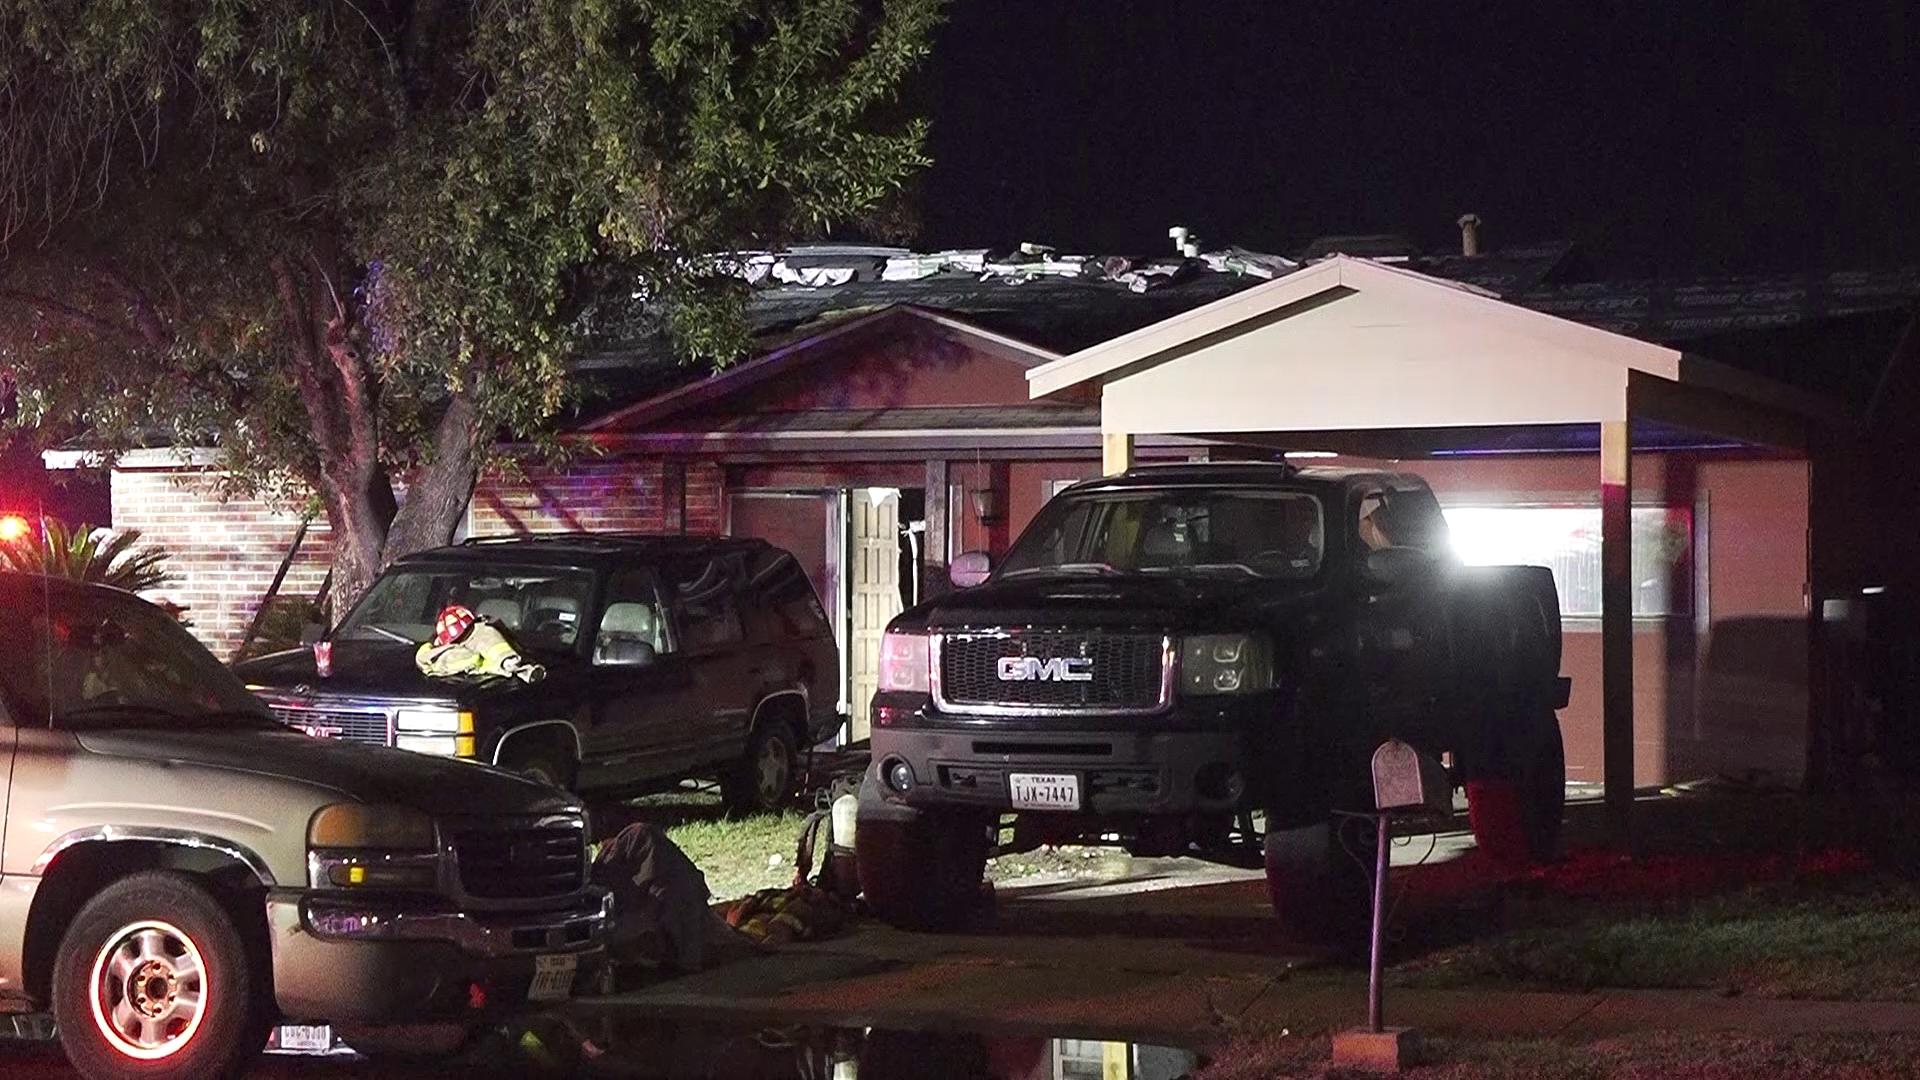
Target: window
1402,518
709,612
1566,539
632,617
538,607
1184,531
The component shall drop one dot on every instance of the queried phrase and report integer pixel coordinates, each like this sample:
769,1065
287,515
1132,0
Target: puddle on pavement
661,1051
639,1049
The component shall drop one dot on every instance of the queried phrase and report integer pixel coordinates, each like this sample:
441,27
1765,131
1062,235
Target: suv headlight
358,846
447,732
1226,664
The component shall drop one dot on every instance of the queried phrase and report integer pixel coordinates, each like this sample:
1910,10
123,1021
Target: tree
348,244
101,556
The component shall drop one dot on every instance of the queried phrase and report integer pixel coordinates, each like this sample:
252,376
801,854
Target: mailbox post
1406,783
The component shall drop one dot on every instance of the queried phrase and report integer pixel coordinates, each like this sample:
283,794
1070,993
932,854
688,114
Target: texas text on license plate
1044,791
552,978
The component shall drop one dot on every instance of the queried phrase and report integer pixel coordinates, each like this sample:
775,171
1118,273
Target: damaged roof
1064,302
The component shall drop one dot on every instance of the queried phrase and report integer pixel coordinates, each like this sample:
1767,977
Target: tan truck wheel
154,981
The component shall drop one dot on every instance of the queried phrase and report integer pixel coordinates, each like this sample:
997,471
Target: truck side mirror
970,569
1390,568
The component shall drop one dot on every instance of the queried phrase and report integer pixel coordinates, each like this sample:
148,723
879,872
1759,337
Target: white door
873,578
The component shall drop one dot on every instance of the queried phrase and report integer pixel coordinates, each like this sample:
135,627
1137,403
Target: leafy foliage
87,553
345,242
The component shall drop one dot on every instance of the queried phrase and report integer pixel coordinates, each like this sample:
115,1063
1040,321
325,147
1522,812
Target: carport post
1616,624
1116,452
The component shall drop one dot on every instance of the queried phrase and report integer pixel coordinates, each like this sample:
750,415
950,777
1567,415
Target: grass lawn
1680,1057
745,855
1849,937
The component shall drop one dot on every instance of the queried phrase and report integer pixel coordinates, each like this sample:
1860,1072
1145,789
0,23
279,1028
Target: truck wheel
153,980
1543,794
762,782
919,871
1318,889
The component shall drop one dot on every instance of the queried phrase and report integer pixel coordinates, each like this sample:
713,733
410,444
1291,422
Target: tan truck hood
437,785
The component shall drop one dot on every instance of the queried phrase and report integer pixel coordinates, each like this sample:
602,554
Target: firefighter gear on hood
464,645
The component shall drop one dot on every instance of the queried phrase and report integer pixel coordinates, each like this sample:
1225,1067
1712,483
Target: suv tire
1543,793
154,980
762,781
919,871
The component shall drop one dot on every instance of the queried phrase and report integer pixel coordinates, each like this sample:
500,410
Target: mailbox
1407,781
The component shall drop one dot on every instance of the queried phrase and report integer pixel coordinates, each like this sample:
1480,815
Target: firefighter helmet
455,622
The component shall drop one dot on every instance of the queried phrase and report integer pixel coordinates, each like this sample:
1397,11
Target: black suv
666,658
1165,653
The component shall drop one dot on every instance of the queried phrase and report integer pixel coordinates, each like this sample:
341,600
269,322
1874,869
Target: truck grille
352,725
526,861
1117,672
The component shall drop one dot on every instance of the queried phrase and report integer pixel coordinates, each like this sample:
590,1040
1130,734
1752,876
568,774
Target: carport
1365,359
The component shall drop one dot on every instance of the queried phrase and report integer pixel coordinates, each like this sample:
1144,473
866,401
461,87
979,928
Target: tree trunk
439,491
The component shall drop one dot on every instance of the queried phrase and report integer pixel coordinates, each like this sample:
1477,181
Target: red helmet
454,623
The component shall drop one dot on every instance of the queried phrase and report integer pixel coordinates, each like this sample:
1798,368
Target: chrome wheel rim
149,990
772,771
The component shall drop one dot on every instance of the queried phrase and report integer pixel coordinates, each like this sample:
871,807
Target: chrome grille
521,861
1126,673
352,725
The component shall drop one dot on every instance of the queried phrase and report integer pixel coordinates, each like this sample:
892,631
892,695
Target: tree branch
74,317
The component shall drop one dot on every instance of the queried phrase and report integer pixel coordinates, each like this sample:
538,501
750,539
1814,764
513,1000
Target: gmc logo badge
1056,669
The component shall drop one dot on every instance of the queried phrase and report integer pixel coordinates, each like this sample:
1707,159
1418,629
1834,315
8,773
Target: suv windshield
1275,534
96,659
539,607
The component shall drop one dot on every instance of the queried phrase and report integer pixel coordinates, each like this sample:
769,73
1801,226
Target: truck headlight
447,732
356,846
362,826
904,665
1226,664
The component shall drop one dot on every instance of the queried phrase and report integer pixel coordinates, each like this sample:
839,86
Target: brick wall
224,553
619,495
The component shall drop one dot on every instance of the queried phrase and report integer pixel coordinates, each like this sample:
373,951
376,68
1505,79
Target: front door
873,547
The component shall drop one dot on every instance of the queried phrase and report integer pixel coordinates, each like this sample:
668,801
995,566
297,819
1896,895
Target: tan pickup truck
179,872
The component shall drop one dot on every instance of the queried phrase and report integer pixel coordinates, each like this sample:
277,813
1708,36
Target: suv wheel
919,871
1318,881
153,980
762,782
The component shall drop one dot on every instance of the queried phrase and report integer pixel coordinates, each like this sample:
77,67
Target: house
885,424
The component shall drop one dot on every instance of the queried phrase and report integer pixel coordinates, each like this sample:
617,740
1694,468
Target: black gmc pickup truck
1166,653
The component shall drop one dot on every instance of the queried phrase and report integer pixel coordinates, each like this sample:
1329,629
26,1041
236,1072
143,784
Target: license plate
1044,791
552,978
306,1038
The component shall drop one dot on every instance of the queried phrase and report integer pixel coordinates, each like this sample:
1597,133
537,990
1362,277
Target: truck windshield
95,659
1271,534
540,608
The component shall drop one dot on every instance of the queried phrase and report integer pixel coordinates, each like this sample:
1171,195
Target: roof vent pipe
1178,234
1469,234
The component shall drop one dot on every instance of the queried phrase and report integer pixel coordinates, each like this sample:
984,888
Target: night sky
1678,136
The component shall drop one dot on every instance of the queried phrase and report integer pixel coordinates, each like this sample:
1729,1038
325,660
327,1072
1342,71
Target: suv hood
436,785
1177,604
375,669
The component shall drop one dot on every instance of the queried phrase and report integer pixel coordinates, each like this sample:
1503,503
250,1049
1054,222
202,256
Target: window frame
729,564
1681,604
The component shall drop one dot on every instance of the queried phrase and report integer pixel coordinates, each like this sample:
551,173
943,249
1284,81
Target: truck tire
1543,794
154,981
919,871
1318,888
762,781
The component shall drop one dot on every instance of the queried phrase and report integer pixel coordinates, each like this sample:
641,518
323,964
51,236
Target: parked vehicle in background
1166,652
180,871
666,658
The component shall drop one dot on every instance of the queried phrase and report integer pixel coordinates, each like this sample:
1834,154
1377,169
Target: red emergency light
14,528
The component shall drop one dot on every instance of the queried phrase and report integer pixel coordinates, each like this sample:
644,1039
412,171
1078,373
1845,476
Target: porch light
986,506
